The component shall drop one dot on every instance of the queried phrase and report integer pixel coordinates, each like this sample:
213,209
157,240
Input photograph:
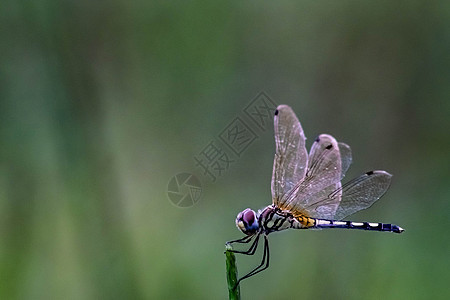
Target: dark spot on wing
329,147
276,112
369,173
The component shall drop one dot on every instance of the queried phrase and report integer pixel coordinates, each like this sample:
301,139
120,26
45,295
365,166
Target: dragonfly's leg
244,240
262,266
252,248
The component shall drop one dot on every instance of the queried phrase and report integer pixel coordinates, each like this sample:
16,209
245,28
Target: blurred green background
102,102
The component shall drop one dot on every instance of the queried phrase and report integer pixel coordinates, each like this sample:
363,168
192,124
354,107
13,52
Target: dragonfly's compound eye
247,221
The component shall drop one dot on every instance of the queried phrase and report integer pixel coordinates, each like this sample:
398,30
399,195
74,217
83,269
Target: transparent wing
320,204
346,158
357,194
324,169
361,192
291,158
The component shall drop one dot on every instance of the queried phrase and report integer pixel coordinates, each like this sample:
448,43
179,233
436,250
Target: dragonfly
307,192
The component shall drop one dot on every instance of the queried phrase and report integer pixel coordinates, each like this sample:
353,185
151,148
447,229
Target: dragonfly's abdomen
319,223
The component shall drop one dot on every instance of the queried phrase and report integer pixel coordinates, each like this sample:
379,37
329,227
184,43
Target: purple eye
247,222
249,217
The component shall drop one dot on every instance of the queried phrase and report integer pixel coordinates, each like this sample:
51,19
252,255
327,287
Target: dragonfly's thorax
273,219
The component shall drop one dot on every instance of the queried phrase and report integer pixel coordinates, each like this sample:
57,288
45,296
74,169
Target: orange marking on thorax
304,220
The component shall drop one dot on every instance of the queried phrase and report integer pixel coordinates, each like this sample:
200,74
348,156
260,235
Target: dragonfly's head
247,221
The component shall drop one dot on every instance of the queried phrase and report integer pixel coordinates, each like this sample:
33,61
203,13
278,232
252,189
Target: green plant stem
232,274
